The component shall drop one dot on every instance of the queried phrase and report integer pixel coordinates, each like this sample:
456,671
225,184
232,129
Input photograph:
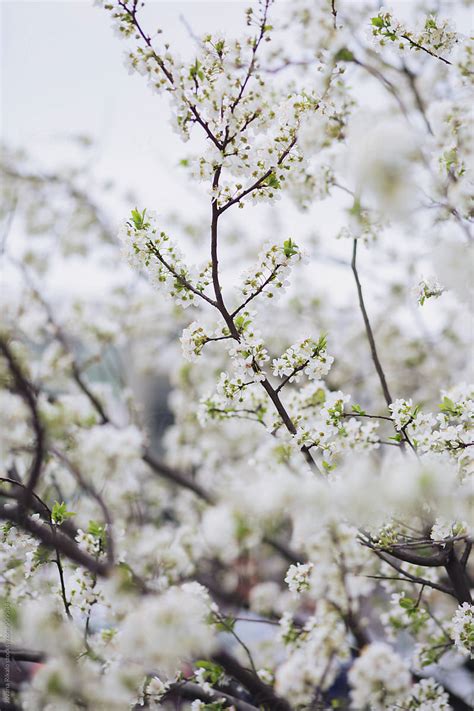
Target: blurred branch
26,391
50,539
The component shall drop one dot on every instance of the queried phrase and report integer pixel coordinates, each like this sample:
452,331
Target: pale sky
63,73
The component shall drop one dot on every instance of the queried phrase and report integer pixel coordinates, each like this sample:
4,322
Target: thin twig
368,328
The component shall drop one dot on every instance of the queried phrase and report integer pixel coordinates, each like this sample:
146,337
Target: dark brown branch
45,511
189,691
258,291
90,489
21,655
262,694
294,372
167,73
385,82
26,391
84,387
76,370
288,422
259,182
417,96
285,551
458,578
176,477
215,263
415,45
368,328
182,280
466,554
408,576
256,44
53,539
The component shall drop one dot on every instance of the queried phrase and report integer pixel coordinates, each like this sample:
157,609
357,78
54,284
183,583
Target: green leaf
450,408
356,208
242,323
42,555
220,47
138,219
9,612
225,624
272,182
214,672
358,410
377,21
196,71
290,248
322,343
344,55
59,513
97,530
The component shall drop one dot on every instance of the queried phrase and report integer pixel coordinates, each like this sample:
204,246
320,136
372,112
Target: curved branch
53,539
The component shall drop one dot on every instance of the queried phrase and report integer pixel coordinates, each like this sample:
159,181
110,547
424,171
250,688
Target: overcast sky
63,73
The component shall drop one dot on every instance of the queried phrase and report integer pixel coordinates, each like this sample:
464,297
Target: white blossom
463,629
378,677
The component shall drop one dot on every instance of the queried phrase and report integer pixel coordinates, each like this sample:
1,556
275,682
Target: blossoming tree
300,536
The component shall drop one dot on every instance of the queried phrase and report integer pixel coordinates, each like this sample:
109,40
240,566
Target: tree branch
54,540
26,391
368,328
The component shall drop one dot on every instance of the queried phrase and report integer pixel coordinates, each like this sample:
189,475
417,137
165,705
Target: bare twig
368,328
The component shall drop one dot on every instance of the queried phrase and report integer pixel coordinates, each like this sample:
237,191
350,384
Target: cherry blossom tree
299,536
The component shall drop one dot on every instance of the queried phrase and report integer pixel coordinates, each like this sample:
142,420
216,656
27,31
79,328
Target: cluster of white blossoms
297,577
19,556
147,247
452,138
402,412
426,695
155,690
449,431
362,224
194,337
315,653
306,357
178,619
463,629
428,288
436,36
405,614
109,449
319,413
248,357
274,264
224,89
378,677
443,529
452,156
82,585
